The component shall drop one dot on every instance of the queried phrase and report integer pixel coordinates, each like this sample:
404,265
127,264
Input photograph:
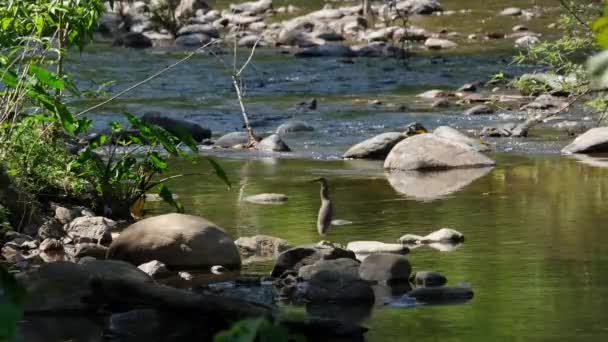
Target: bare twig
136,85
573,13
250,56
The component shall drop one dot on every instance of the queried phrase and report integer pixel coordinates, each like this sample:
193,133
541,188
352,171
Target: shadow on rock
432,185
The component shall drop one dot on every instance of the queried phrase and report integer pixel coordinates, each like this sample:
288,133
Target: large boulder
273,143
428,151
594,140
178,241
343,266
294,258
377,147
194,40
97,229
455,136
188,8
261,246
385,268
178,127
419,6
428,279
66,286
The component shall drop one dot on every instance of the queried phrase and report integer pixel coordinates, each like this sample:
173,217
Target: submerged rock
92,250
343,266
331,286
327,50
510,129
232,139
594,140
178,127
267,198
178,241
372,247
385,267
377,147
437,44
133,40
294,126
428,279
428,151
297,257
273,143
441,295
441,235
479,110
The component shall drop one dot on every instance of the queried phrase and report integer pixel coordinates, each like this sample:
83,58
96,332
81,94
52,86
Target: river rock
273,143
434,94
594,140
133,40
526,41
338,287
194,40
572,127
327,50
249,40
178,241
205,29
509,129
154,269
546,102
294,258
443,235
51,228
232,139
65,215
377,49
97,228
511,11
50,245
419,6
479,109
294,126
437,44
455,136
66,286
343,266
261,246
92,250
188,8
177,126
252,7
428,279
385,267
377,147
267,198
372,247
428,151
441,295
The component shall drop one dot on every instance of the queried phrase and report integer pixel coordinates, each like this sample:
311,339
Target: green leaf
9,78
67,118
167,196
157,162
219,171
46,77
184,135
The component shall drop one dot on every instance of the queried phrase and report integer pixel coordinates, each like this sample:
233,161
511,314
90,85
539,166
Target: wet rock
419,6
155,269
441,295
232,139
511,11
241,20
267,198
526,42
52,228
385,267
469,87
432,185
294,258
377,147
545,102
66,286
338,287
177,127
194,40
327,50
428,151
505,130
435,93
377,49
252,7
205,29
344,266
428,279
133,40
261,246
65,215
594,140
294,126
97,228
91,250
218,269
249,41
372,247
50,245
441,235
437,44
440,103
479,110
455,136
519,28
178,241
572,127
273,143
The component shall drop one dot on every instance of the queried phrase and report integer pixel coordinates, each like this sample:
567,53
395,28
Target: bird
326,210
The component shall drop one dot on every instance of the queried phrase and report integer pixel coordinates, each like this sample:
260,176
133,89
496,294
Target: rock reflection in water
60,328
440,246
432,185
596,161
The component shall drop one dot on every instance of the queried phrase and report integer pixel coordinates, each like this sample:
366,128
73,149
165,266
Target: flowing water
535,252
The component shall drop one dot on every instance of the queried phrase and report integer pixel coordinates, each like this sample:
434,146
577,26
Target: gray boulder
249,41
594,140
268,198
273,143
441,295
385,267
252,7
327,50
455,136
50,245
428,151
232,139
511,11
177,126
377,147
479,110
510,129
92,250
261,246
437,44
338,287
205,29
373,247
178,241
428,279
344,266
194,40
98,229
133,40
546,102
294,126
294,258
419,6
188,8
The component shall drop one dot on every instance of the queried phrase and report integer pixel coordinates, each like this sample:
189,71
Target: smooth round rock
594,140
293,127
385,267
376,147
